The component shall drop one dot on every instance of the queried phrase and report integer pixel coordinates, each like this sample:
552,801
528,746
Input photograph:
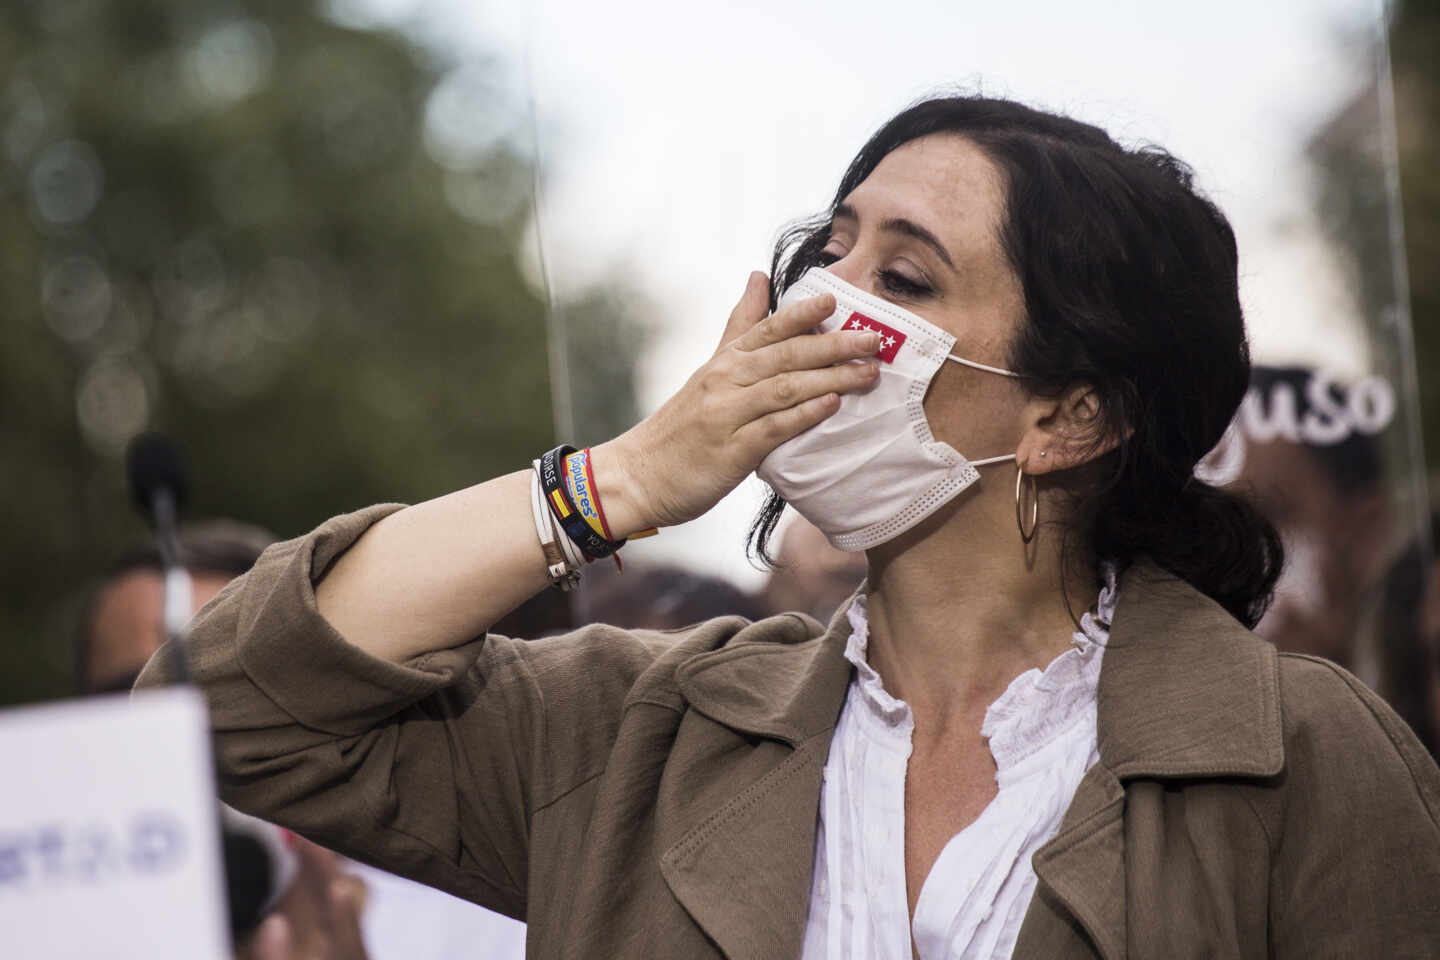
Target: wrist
624,505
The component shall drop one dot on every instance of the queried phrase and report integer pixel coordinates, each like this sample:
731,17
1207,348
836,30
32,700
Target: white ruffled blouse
1041,732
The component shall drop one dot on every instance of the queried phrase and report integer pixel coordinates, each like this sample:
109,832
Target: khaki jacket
644,794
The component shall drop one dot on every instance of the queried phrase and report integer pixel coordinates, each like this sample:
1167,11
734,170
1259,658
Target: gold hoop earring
1026,535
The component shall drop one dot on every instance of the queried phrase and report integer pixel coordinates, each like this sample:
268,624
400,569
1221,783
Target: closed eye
892,282
902,286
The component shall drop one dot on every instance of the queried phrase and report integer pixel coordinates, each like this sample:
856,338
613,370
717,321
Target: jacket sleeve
1357,871
428,768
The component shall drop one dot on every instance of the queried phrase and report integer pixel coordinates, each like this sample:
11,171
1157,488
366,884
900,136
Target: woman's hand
411,584
767,382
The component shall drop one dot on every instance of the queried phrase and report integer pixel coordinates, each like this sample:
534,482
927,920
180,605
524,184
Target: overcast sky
676,139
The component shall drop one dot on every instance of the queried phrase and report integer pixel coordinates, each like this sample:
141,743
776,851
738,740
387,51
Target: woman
1158,782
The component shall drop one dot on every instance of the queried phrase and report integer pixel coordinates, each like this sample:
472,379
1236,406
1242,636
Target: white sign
109,843
1317,410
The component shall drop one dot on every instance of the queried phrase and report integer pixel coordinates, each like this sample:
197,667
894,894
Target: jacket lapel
743,871
1185,692
1081,875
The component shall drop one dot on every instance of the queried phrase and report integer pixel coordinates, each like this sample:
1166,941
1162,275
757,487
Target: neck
959,606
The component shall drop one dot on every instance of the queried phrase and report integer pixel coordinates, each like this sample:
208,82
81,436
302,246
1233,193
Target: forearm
437,574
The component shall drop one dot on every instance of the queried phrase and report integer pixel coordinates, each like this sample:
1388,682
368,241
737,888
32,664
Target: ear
1064,432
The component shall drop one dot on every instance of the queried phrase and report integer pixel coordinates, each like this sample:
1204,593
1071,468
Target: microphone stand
178,589
258,867
155,475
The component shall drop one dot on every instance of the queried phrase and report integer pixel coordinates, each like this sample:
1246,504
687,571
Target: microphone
259,868
156,477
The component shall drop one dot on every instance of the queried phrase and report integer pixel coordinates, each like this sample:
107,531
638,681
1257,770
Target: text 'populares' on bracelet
592,543
580,478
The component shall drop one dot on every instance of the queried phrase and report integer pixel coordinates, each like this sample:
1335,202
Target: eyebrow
899,225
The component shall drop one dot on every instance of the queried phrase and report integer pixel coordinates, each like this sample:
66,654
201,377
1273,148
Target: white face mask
873,470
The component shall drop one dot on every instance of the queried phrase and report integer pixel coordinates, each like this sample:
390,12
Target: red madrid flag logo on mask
890,338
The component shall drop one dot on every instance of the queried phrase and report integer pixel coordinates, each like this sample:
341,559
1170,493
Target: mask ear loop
982,366
1025,535
1020,477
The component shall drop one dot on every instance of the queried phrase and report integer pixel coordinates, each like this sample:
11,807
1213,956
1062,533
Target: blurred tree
293,246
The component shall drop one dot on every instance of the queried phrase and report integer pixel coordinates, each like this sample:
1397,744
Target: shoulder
1349,758
1356,821
576,701
613,663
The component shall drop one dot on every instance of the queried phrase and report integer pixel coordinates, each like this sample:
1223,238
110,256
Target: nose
851,269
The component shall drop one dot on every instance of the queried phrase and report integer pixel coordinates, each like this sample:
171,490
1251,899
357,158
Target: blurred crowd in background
263,231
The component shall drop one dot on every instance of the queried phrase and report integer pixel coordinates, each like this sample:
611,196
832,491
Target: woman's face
922,231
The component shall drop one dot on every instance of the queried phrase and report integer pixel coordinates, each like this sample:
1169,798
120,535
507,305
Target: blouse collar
1037,706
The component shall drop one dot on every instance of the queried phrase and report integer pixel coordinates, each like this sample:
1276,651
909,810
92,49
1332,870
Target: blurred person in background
663,597
1316,472
121,621
1044,728
809,574
1407,638
332,908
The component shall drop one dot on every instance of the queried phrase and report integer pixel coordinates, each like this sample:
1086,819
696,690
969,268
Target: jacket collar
787,691
1185,691
743,870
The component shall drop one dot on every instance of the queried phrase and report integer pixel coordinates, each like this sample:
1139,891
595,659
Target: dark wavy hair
1130,286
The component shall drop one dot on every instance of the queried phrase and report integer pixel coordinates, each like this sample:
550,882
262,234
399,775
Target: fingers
317,866
806,353
347,903
348,894
754,304
319,917
773,429
272,940
791,388
796,318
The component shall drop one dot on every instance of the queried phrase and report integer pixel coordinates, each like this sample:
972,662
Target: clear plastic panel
674,146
